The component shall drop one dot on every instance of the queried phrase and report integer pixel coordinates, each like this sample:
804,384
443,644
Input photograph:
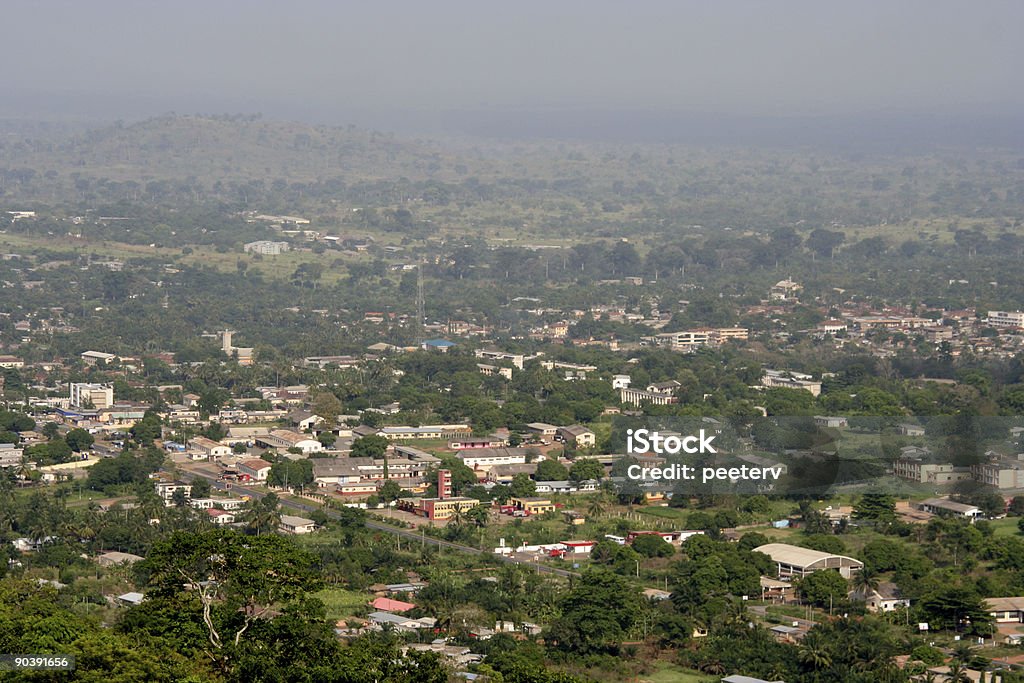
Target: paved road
210,473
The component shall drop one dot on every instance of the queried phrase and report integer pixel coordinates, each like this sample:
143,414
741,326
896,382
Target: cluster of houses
221,510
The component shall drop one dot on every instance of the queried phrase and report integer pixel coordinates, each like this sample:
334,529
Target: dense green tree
825,588
652,545
79,439
596,613
372,446
390,491
522,486
551,470
586,468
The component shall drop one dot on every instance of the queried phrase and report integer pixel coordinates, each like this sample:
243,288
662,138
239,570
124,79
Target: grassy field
342,603
271,267
1006,526
673,673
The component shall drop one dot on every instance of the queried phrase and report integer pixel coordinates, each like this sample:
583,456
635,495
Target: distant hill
228,148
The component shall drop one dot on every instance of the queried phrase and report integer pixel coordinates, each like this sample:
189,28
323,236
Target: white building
10,455
257,469
291,524
1005,318
794,561
93,357
265,247
790,380
516,359
209,448
86,395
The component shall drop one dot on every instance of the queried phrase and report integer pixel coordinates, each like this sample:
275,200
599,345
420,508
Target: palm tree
457,518
815,654
957,673
963,652
865,581
595,508
263,516
713,667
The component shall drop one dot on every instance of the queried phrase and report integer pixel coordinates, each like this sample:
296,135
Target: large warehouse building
794,561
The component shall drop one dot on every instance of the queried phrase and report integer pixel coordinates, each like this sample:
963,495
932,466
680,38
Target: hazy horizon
458,65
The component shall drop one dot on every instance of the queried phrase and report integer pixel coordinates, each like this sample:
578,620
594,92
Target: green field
1007,526
341,603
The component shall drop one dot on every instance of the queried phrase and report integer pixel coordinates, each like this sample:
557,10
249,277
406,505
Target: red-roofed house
389,605
578,547
218,516
257,469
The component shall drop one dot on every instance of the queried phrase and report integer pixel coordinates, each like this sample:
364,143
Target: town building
94,357
1006,610
542,429
265,247
10,455
86,395
659,394
290,524
578,436
209,448
486,458
532,506
1001,473
428,432
444,506
790,380
167,489
794,561
885,598
494,370
255,469
516,359
440,345
1005,319
916,469
908,429
287,439
784,290
944,506
220,517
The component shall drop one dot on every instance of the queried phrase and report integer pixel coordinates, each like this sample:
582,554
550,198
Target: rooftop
797,556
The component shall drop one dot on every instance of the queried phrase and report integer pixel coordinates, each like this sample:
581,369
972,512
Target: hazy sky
324,60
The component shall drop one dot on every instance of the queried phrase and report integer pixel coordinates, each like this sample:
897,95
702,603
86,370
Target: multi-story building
578,435
516,359
1005,318
494,370
660,394
1002,473
167,489
86,395
790,380
266,247
444,506
923,472
10,456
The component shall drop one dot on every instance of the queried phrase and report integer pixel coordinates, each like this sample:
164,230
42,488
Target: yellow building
533,506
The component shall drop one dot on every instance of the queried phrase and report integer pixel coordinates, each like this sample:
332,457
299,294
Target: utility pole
420,301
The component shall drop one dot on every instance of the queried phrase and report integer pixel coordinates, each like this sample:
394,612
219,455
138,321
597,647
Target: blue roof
438,342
